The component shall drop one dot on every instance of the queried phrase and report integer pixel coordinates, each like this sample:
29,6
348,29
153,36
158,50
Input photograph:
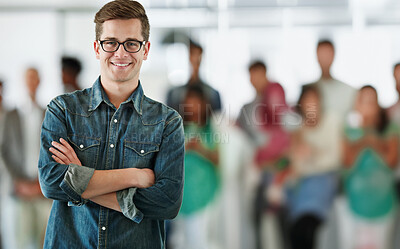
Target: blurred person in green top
192,228
370,151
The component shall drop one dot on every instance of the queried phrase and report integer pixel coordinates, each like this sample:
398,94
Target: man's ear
96,47
146,50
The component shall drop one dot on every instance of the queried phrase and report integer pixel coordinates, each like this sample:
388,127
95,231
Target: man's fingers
60,147
69,147
66,144
58,160
67,151
60,155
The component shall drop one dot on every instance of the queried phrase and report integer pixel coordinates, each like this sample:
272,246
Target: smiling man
111,158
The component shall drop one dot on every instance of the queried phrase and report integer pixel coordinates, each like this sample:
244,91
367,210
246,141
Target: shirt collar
98,95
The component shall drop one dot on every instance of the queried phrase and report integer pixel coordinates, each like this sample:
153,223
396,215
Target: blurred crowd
321,173
317,174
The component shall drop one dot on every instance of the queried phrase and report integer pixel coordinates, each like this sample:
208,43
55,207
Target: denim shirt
141,133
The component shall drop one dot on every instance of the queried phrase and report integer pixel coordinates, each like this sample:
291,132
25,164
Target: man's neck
118,92
326,76
74,84
194,78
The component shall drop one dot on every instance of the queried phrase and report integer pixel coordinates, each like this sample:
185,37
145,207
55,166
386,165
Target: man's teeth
121,65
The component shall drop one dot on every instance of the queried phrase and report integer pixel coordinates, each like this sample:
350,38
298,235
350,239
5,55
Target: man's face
121,66
325,54
195,55
32,81
258,79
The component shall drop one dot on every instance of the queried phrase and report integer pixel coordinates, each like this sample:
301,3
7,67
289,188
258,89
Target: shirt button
142,151
115,121
103,228
112,145
81,146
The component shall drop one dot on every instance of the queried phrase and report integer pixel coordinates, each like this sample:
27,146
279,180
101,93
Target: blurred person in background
249,121
314,164
330,88
2,169
176,96
70,70
370,150
249,118
393,113
193,229
263,121
25,211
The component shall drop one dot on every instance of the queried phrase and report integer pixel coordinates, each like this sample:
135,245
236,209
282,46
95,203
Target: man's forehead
122,29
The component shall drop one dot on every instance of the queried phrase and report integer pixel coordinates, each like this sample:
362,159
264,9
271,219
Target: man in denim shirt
111,158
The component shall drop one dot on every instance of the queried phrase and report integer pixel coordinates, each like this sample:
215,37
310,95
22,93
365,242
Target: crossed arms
103,184
155,194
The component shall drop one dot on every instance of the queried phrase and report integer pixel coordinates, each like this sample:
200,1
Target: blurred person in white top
24,209
337,97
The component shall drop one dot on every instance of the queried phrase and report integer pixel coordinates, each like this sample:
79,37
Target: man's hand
63,153
145,178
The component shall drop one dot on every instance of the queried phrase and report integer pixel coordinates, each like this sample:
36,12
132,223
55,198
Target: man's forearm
107,200
108,181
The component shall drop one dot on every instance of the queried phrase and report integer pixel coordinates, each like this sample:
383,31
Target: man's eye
110,43
132,44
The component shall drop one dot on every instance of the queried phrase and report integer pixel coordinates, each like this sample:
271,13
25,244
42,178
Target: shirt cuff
128,208
75,182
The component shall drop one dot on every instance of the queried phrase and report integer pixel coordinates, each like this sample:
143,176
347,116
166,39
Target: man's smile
120,64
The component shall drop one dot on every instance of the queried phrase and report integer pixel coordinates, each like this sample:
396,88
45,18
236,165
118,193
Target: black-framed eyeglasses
130,46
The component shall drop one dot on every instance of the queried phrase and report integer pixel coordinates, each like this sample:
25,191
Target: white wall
39,38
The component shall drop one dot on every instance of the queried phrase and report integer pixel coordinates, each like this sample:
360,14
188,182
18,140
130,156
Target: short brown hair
258,64
122,9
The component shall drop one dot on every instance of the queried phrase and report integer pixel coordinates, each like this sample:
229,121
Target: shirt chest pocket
86,148
139,154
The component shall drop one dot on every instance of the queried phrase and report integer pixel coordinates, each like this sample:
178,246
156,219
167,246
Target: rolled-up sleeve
59,181
162,200
128,208
76,180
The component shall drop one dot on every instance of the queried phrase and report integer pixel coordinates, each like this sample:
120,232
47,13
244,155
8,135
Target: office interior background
233,33
283,33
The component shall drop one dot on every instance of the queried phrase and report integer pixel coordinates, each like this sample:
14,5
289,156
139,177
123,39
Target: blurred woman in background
271,158
192,228
370,152
314,160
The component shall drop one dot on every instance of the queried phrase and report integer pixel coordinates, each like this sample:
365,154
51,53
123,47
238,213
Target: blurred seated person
314,163
177,95
370,152
192,227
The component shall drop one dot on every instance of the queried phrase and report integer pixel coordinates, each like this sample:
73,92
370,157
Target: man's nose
121,51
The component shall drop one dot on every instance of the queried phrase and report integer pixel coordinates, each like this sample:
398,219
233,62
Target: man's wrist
134,177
